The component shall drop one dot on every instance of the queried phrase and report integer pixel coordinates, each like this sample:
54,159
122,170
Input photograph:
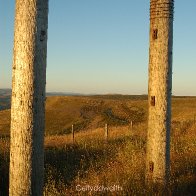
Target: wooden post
131,125
194,119
106,131
72,131
159,92
26,172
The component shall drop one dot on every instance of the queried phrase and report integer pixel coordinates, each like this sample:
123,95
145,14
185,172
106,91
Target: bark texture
159,91
28,98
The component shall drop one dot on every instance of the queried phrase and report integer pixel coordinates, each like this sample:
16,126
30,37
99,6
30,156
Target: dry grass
94,112
120,161
84,113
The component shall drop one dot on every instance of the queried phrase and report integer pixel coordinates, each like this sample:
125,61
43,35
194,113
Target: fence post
131,125
106,131
194,119
72,131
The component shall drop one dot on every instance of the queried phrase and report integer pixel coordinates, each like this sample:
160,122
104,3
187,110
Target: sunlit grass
119,161
91,160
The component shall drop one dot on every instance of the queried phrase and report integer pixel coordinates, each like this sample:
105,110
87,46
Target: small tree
159,91
28,98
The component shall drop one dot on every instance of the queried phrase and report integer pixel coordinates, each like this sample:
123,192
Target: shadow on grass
67,163
4,174
183,181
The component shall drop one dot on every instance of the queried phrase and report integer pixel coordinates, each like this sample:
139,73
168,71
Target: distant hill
5,92
122,97
85,112
62,94
90,112
5,95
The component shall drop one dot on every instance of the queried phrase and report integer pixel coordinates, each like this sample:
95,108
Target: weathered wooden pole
28,98
159,91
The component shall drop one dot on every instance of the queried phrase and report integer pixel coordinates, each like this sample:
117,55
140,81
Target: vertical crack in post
152,101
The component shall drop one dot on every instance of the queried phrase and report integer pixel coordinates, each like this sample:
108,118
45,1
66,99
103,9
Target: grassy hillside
94,111
119,161
93,161
85,112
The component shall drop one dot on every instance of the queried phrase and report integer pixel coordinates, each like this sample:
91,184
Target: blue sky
101,46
